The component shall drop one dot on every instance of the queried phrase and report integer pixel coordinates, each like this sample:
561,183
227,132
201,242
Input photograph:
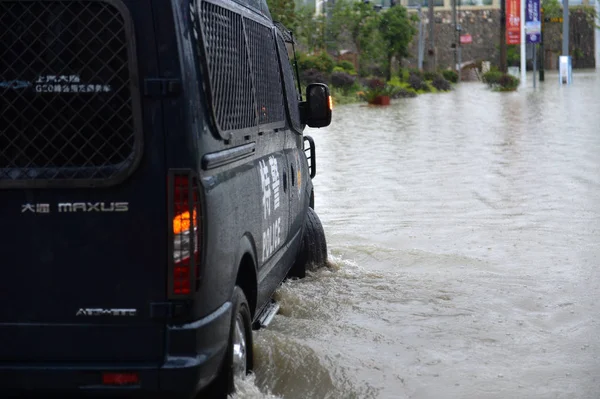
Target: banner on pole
513,21
533,22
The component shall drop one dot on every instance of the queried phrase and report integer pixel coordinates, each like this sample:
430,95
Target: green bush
450,75
429,75
415,80
343,80
395,81
415,72
500,81
346,66
313,76
403,74
377,87
321,62
405,93
341,97
508,83
440,83
492,77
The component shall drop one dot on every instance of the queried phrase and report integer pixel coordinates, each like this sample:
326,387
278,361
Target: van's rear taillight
184,233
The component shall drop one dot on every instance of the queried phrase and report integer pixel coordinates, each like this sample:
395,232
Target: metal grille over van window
68,111
265,69
230,78
290,87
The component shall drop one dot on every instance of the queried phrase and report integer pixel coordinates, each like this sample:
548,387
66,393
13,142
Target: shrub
500,81
416,82
324,62
508,83
375,83
415,71
347,67
338,69
405,93
342,80
429,75
492,77
320,61
313,76
375,70
395,81
377,87
450,75
440,83
306,62
403,74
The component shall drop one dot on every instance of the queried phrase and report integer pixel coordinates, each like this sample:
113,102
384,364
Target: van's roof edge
261,8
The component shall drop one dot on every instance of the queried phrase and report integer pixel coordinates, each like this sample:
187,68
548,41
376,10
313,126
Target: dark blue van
155,189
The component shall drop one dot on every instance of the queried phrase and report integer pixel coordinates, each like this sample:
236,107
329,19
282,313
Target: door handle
293,176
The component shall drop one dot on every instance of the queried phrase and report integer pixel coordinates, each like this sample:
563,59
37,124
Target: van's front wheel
313,249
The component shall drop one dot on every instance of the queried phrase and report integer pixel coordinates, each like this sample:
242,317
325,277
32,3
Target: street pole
565,43
421,44
542,47
534,46
455,44
459,52
523,40
431,52
503,36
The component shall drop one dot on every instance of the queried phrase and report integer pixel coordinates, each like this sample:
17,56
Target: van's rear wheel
313,249
238,360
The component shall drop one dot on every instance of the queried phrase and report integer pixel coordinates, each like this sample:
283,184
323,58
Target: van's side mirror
316,110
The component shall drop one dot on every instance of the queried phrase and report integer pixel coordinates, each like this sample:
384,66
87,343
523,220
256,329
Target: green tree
397,31
361,21
552,8
310,30
283,11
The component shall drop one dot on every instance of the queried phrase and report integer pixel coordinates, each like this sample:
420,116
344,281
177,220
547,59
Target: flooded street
464,236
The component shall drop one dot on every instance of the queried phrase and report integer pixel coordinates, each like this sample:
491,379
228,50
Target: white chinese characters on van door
270,186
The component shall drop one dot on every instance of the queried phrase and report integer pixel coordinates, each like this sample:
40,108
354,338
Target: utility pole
523,44
542,72
454,24
432,55
565,42
503,67
421,35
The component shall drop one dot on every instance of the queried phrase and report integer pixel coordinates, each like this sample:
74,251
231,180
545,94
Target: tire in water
313,249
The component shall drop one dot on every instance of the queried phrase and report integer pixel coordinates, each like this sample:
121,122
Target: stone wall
484,27
581,41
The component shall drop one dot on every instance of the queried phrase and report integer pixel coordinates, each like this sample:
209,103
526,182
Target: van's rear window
68,112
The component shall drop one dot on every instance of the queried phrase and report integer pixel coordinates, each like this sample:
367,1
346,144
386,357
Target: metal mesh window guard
229,68
67,108
290,87
265,68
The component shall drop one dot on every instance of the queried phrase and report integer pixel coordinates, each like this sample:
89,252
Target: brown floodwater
464,238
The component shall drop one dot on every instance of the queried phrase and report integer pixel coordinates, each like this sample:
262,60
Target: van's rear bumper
194,355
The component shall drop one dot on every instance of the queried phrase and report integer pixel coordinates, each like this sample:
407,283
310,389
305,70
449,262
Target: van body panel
76,256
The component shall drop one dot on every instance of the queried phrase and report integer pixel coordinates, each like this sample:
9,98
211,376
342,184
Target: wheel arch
246,277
